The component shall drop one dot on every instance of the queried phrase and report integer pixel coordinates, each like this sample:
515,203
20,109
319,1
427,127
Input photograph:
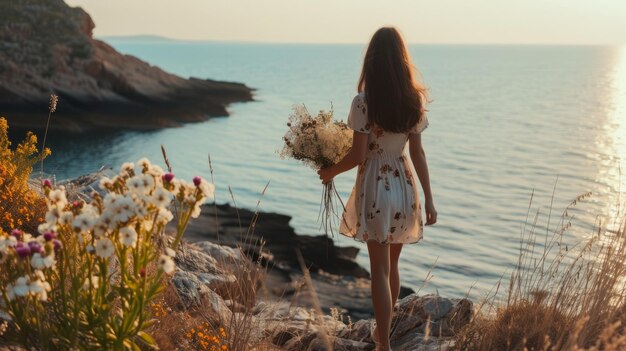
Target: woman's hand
431,213
326,174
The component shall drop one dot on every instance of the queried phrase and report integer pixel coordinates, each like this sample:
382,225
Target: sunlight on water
617,131
618,135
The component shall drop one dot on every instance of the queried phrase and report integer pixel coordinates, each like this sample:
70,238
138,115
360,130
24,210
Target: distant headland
47,47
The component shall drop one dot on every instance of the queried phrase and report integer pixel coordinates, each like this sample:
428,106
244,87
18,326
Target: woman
384,208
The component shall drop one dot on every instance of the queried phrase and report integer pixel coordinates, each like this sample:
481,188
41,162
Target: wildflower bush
20,206
88,279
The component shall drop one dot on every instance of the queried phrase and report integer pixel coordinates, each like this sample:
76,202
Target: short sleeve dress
384,204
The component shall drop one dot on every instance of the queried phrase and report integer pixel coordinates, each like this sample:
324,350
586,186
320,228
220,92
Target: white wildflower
190,199
140,184
21,286
126,168
104,247
148,182
197,208
38,261
66,217
176,186
84,222
40,275
39,288
104,224
6,242
144,163
53,214
124,209
105,183
166,264
147,225
156,171
141,204
49,260
161,198
164,216
46,227
186,188
207,189
57,197
135,185
26,237
170,252
110,199
128,236
90,209
94,281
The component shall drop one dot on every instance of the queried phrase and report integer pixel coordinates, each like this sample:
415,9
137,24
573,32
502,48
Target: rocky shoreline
424,323
47,47
340,282
285,303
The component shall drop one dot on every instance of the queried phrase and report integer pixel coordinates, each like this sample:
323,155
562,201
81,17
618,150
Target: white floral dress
384,204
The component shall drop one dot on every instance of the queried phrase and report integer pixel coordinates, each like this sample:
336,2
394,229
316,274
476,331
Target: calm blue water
504,120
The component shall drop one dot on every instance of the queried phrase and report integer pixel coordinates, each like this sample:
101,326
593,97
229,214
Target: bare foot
374,335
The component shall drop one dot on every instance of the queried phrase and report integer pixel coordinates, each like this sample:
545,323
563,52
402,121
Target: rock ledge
48,47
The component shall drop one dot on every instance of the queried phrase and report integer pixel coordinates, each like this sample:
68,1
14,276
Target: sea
516,134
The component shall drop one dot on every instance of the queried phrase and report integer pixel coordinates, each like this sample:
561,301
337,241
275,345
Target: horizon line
157,37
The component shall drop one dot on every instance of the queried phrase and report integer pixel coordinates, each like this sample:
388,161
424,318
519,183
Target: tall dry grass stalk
217,221
54,99
559,296
243,326
323,334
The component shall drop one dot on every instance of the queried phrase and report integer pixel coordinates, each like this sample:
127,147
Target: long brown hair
395,99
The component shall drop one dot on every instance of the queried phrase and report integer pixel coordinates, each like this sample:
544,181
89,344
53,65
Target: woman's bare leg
381,292
394,273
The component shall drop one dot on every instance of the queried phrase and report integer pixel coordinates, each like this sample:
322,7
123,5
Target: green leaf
147,324
130,344
147,338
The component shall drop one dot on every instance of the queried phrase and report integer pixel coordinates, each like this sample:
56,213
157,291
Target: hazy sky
330,21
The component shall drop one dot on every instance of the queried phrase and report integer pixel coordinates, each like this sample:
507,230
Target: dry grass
559,297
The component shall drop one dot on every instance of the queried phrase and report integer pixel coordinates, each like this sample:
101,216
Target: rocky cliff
47,47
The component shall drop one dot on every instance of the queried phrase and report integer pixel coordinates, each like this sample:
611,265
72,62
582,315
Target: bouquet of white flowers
318,142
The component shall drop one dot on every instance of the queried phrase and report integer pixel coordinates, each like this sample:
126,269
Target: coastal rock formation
339,281
426,322
47,47
230,226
